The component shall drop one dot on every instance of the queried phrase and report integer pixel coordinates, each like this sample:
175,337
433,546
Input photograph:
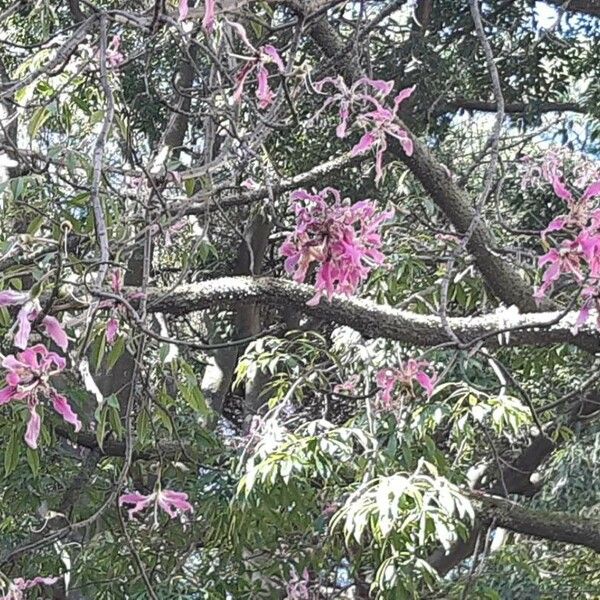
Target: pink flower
343,239
116,280
364,92
381,123
19,585
565,260
412,370
297,588
578,256
114,58
112,330
249,184
28,313
261,57
53,329
27,379
386,382
172,502
366,98
348,386
112,325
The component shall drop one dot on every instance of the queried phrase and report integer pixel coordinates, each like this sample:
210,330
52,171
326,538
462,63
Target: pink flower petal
13,379
241,81
314,301
365,143
407,145
173,502
6,394
33,428
62,407
379,160
426,382
208,22
560,189
403,95
38,581
139,501
274,56
263,92
116,277
344,113
582,318
592,191
12,298
26,314
241,32
555,225
112,330
55,332
183,9
385,87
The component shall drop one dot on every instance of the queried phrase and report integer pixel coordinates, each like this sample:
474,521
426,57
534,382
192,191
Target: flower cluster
366,101
551,167
297,587
258,61
116,308
27,379
343,240
20,585
114,57
112,325
172,502
413,370
577,256
30,310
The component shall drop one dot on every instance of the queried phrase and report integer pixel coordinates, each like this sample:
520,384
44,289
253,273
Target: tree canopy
299,299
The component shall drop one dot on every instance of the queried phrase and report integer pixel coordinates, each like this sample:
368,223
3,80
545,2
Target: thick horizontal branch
370,319
555,526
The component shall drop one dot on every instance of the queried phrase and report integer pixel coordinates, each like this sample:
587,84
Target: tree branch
556,526
166,450
588,7
510,107
373,320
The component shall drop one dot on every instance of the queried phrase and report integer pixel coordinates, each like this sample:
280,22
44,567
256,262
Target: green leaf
97,117
113,401
40,116
97,353
12,451
189,185
33,460
115,352
143,426
35,224
101,425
